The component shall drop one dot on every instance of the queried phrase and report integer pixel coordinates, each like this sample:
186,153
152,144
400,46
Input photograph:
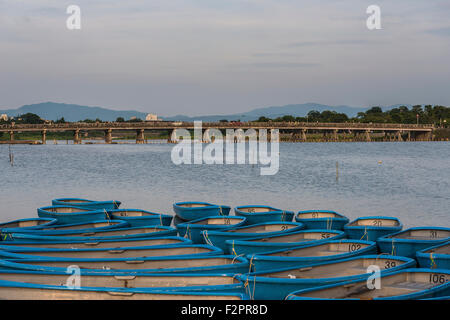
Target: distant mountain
296,110
73,112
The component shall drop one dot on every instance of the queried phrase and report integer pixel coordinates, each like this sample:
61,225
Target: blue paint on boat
123,233
83,227
70,214
435,257
322,219
191,210
274,242
140,218
261,286
373,227
85,203
192,229
17,246
406,243
28,224
177,220
219,238
108,254
183,264
260,214
439,288
299,257
120,280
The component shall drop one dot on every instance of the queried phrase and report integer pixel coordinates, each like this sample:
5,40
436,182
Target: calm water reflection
407,180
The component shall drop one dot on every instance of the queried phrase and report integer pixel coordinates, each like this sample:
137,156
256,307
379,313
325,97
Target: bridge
289,131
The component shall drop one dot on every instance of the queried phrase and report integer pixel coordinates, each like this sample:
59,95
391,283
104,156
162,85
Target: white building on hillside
4,117
151,117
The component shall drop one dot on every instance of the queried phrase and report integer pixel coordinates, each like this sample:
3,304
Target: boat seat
416,286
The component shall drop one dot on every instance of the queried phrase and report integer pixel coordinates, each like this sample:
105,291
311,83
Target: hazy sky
223,56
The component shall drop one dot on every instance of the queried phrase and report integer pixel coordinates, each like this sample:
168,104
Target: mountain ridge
74,112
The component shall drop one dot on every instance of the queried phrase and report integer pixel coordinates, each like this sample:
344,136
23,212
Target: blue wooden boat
28,224
126,253
322,219
16,246
197,210
276,284
435,257
218,238
406,243
400,285
140,218
113,234
281,241
142,282
192,229
83,227
14,290
259,214
311,254
70,215
177,220
181,264
373,227
85,203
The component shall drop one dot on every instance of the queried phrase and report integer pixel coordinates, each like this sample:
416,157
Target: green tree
120,119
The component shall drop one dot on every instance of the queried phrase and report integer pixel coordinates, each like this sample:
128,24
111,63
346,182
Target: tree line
437,115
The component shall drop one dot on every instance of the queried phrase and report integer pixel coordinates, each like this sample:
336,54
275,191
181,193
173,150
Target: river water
408,180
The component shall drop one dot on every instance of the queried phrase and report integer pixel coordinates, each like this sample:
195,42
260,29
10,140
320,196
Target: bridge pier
108,136
140,137
11,135
399,136
76,137
44,136
335,135
367,136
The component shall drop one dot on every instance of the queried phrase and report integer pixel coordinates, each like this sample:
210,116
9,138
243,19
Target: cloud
443,32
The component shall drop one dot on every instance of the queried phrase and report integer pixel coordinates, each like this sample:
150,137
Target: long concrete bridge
289,131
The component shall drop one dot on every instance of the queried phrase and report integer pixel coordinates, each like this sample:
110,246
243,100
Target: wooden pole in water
337,171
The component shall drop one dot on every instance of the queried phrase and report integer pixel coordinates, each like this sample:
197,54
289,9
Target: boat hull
435,257
194,213
336,221
153,219
85,203
373,230
256,217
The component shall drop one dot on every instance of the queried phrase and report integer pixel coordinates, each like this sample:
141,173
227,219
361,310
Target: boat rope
207,240
329,223
160,219
250,264
220,211
115,204
283,216
365,234
187,235
232,249
108,217
393,248
433,263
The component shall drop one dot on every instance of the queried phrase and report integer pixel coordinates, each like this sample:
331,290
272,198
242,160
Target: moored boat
14,290
141,282
140,218
113,234
192,229
322,219
281,241
400,285
197,210
311,253
28,224
181,264
259,214
111,253
85,203
435,257
276,284
218,238
406,243
69,215
371,228
83,227
16,246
